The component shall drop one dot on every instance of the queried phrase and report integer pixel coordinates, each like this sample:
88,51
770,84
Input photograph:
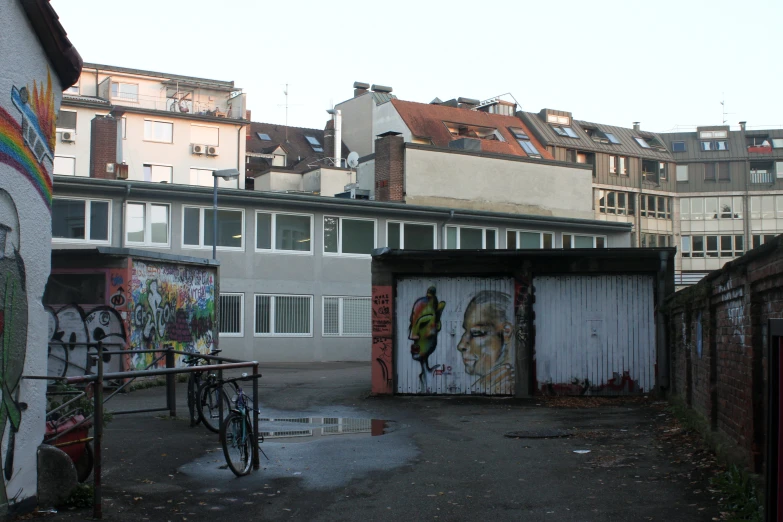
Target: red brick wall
103,146
726,382
389,184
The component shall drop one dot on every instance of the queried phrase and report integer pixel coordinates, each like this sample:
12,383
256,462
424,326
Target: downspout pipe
124,213
443,229
660,325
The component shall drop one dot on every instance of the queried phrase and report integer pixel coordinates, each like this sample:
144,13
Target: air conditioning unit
197,149
212,151
68,137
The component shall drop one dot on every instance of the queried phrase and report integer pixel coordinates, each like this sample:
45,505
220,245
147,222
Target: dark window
650,170
723,171
678,146
709,172
314,144
263,136
612,138
66,120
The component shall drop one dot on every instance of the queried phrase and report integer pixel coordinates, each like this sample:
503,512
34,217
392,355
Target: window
723,171
347,317
283,315
762,207
564,131
779,169
314,144
147,224
709,172
74,89
612,164
651,170
777,143
678,146
714,145
760,239
411,236
561,120
725,246
197,228
349,236
153,173
519,133
682,172
81,220
642,142
204,178
578,241
529,148
277,232
232,314
523,239
662,171
622,163
705,135
160,131
66,120
470,238
655,206
204,135
654,240
463,130
64,166
263,136
125,91
619,203
612,138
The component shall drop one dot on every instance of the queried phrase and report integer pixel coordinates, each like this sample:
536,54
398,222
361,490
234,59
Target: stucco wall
25,246
357,129
447,179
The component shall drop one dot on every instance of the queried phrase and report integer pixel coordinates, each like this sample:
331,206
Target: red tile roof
427,121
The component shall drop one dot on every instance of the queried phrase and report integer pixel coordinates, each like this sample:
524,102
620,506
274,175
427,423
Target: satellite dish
353,159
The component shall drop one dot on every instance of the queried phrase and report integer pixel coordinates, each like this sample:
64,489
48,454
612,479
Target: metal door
454,335
595,335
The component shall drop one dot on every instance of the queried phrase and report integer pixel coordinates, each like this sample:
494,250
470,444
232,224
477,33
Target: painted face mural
425,325
488,335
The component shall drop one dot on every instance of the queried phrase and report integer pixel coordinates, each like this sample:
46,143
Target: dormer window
715,145
706,135
649,142
564,131
314,143
600,136
558,120
463,130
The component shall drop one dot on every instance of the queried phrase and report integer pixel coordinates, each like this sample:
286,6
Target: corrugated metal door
595,335
454,335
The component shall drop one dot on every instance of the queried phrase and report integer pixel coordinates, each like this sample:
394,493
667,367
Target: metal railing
170,371
762,177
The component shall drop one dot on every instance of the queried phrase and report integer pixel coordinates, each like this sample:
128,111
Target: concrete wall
25,245
357,126
327,181
447,179
718,343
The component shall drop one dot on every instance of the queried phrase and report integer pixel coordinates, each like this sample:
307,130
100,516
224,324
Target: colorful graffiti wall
29,96
454,335
170,305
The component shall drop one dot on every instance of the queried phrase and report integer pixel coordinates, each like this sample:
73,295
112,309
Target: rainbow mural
26,146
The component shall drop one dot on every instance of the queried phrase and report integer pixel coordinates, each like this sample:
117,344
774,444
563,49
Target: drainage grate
538,434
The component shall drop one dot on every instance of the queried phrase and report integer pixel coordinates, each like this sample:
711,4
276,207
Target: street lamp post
226,174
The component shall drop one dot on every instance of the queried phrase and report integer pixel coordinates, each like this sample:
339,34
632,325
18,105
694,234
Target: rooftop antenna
723,106
286,111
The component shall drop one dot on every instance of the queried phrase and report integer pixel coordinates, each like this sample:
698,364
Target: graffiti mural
170,305
70,328
462,335
382,379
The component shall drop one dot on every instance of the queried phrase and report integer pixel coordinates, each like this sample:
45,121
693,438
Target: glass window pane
471,238
161,174
600,242
549,240
725,208
331,316
682,172
292,314
393,235
192,226
357,316
68,218
134,218
263,314
767,207
685,209
99,220
712,246
686,244
567,241
419,237
610,199
739,244
737,208
779,205
331,234
710,208
529,240
159,224
358,236
264,231
229,232
292,233
511,239
451,237
726,245
491,239
698,246
583,242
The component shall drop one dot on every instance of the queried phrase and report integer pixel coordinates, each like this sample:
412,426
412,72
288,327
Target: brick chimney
389,185
103,147
360,88
329,137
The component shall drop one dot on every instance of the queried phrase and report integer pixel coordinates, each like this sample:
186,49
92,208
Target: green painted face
425,325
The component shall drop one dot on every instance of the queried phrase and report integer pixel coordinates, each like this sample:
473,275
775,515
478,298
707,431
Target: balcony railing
762,176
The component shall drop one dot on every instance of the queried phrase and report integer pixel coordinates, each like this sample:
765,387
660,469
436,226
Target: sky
667,64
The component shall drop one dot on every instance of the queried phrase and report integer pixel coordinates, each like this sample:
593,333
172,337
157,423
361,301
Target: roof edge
64,57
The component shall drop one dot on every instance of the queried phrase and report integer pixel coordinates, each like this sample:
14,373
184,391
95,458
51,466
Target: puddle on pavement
290,427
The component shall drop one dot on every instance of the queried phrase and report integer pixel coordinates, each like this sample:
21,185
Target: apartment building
122,123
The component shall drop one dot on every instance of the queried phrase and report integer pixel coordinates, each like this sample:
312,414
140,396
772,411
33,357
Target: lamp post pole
214,219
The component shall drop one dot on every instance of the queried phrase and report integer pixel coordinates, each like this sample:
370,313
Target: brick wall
718,343
389,185
103,146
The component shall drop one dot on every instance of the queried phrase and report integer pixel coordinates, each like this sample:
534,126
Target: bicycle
209,396
236,433
194,385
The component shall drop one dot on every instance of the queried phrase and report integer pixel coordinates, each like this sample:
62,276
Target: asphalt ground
437,458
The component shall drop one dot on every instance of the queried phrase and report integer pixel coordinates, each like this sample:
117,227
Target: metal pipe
142,373
97,508
142,410
256,459
214,217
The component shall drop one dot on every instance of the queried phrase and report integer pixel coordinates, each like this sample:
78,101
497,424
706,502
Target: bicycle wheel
236,437
208,406
85,464
194,381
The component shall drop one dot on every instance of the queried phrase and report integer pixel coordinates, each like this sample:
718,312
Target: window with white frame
125,91
523,239
204,178
64,166
759,239
349,236
160,131
232,314
66,120
654,240
73,89
147,224
205,135
762,207
278,315
81,220
411,236
613,202
197,228
655,206
682,172
281,232
724,246
582,241
347,316
153,173
471,238
698,209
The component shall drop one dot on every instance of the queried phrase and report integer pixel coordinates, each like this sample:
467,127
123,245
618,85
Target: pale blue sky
663,63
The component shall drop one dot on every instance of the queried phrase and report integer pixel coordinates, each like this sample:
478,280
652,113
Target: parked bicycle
209,395
236,433
195,380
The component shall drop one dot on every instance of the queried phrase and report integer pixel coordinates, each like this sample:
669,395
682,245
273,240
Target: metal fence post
220,394
171,384
97,508
256,463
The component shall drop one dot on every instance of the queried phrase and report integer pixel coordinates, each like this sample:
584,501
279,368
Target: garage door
595,335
